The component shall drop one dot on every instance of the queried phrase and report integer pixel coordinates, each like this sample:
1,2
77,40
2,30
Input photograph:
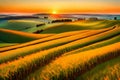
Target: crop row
14,54
62,35
23,66
106,42
69,67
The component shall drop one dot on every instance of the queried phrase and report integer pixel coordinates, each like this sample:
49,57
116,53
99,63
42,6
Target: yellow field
66,67
72,55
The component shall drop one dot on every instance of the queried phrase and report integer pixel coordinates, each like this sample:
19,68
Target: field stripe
95,45
11,55
62,35
45,40
69,67
34,48
23,66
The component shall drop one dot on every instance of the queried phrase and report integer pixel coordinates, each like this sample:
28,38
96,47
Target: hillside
19,25
44,58
80,25
11,37
69,55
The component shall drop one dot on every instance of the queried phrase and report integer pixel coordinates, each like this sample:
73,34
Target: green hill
12,36
81,25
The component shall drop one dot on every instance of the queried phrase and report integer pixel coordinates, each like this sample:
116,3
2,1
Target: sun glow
54,12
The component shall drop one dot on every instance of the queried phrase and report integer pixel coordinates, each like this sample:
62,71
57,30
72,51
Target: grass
109,70
24,66
68,67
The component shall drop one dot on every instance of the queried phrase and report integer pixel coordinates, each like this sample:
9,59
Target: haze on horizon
60,6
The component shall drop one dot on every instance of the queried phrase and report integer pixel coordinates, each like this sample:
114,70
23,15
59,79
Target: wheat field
92,46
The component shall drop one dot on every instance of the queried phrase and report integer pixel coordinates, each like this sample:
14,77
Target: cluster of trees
62,20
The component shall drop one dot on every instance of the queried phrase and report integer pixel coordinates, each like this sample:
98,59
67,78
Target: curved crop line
6,48
70,67
63,60
37,41
93,46
47,39
11,55
22,52
20,68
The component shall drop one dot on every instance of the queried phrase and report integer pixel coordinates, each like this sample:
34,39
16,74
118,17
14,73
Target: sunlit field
59,39
59,49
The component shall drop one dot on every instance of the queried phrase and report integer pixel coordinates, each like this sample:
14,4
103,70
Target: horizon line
22,13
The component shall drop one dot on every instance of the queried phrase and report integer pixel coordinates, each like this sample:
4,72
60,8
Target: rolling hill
11,37
65,51
80,25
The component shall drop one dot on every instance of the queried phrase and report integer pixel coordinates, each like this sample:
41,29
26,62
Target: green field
27,25
80,50
83,25
17,24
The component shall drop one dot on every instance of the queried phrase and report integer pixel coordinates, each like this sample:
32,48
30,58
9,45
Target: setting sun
54,12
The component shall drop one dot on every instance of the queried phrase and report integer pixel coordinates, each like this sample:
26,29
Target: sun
54,12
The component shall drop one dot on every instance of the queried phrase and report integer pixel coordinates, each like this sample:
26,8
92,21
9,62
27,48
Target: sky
60,6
